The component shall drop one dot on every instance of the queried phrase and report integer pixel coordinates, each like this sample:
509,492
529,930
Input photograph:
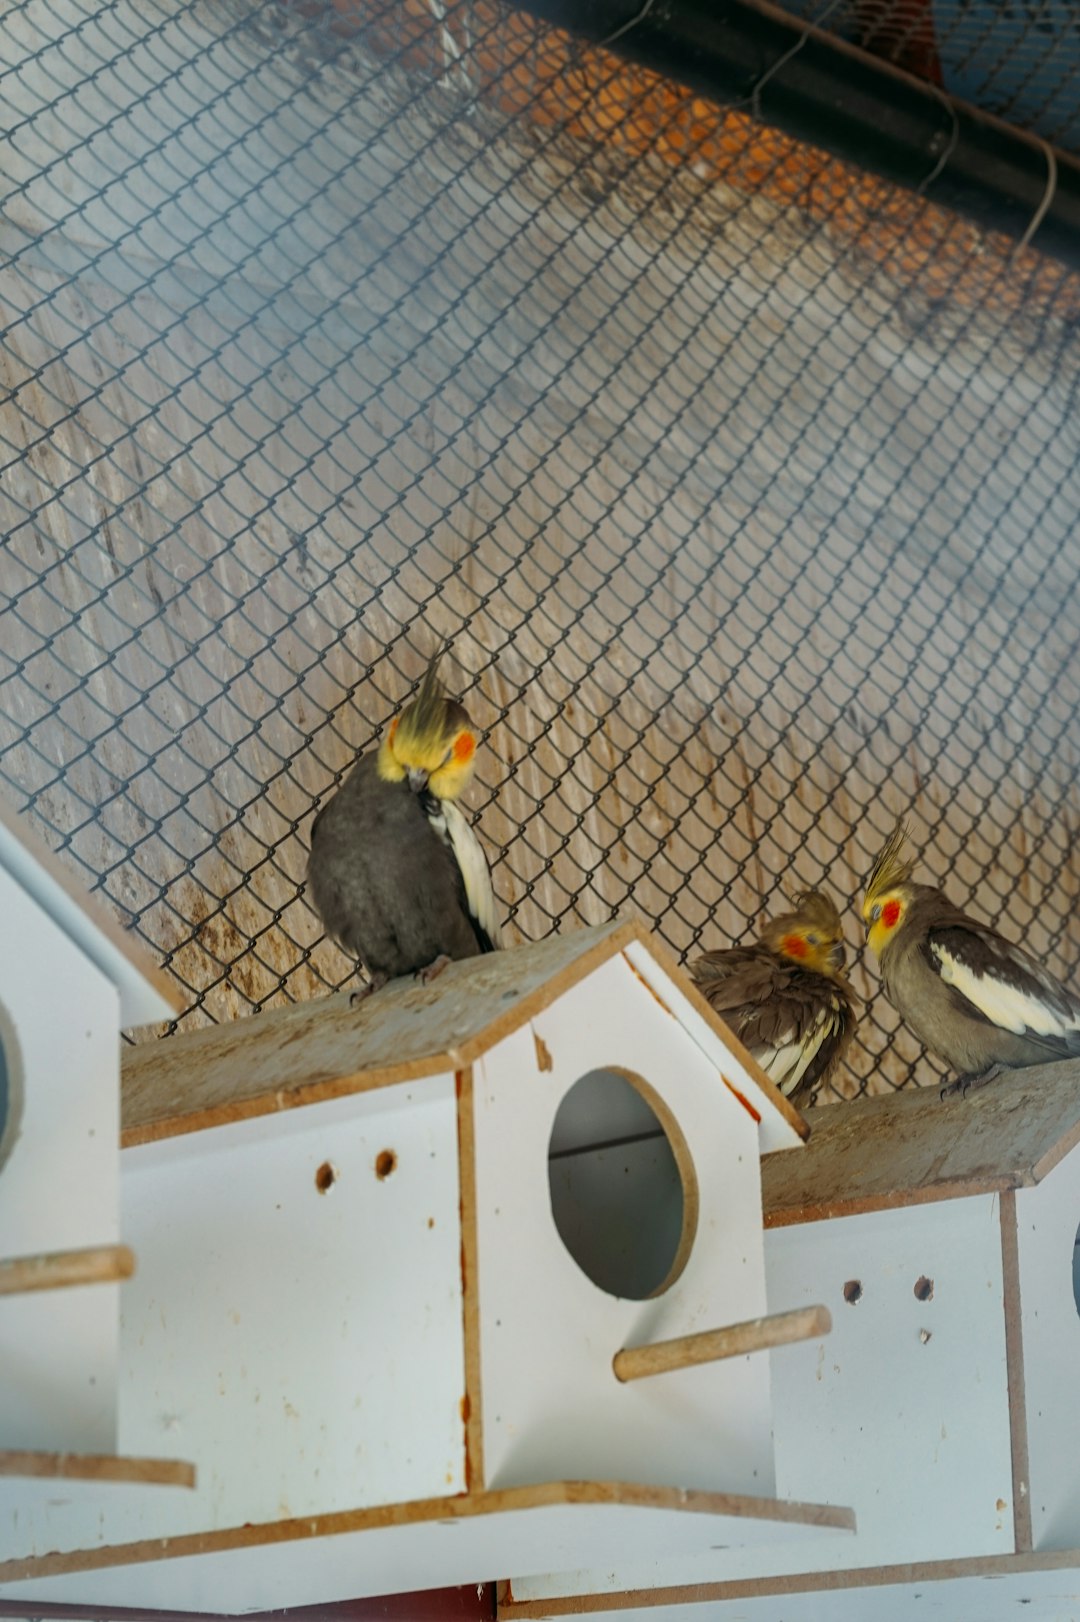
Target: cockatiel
785,997
396,872
972,997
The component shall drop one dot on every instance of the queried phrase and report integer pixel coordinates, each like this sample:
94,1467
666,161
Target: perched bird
396,872
785,997
972,997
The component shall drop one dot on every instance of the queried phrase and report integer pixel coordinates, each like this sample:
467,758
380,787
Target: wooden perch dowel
757,1335
61,1269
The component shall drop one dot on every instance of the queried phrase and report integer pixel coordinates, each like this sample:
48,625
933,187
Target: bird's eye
875,912
815,940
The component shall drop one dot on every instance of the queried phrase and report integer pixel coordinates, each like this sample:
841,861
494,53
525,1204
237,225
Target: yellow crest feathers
810,910
891,868
815,908
431,714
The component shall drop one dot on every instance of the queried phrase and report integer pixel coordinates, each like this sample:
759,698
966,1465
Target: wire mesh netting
1017,59
744,488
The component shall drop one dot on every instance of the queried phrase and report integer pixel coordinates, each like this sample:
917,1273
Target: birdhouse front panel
59,1023
903,1411
295,1324
1047,1218
656,1185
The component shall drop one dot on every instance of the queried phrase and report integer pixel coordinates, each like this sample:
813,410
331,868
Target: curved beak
837,954
418,779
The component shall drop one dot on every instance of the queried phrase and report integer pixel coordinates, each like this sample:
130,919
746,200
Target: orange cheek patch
890,912
391,730
464,748
793,946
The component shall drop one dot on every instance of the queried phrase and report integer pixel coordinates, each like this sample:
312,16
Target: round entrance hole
10,1085
623,1190
5,1092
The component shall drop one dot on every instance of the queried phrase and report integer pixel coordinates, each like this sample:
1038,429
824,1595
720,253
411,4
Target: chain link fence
744,487
1018,59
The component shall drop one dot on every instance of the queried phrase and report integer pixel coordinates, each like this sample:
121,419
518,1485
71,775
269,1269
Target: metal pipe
820,89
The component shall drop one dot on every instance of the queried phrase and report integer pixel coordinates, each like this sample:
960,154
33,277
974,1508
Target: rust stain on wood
743,1100
653,993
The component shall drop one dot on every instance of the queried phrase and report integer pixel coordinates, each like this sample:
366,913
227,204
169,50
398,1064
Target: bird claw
966,1084
374,982
431,971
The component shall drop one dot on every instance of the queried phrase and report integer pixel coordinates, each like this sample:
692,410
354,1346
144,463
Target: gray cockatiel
396,872
971,996
784,997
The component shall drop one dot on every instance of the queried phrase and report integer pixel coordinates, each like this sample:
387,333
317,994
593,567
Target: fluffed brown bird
785,997
396,871
972,997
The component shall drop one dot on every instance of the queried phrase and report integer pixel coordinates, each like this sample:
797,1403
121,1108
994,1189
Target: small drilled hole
852,1291
924,1289
385,1163
326,1177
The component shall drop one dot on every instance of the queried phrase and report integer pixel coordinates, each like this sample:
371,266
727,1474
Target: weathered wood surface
322,1049
64,1269
915,1147
315,1050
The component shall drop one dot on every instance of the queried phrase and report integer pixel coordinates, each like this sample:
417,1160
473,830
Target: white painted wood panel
58,1185
913,1434
144,993
303,1349
380,1560
552,1407
1022,1595
1046,1222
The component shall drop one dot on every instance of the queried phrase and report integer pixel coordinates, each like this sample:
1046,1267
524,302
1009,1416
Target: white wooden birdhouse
69,979
466,1281
942,1235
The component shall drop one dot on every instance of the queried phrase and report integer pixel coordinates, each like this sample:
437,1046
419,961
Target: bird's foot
966,1084
431,971
374,982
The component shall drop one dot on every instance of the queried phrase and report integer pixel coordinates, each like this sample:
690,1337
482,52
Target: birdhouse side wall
1047,1218
552,1407
905,1409
294,1326
60,1026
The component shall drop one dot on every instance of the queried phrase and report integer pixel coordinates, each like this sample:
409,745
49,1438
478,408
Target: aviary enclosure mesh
744,487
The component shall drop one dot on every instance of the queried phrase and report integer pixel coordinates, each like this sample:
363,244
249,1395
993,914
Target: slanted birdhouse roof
326,1049
915,1147
146,994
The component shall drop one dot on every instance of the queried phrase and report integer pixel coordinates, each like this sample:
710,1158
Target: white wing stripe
474,870
787,1064
1005,1006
